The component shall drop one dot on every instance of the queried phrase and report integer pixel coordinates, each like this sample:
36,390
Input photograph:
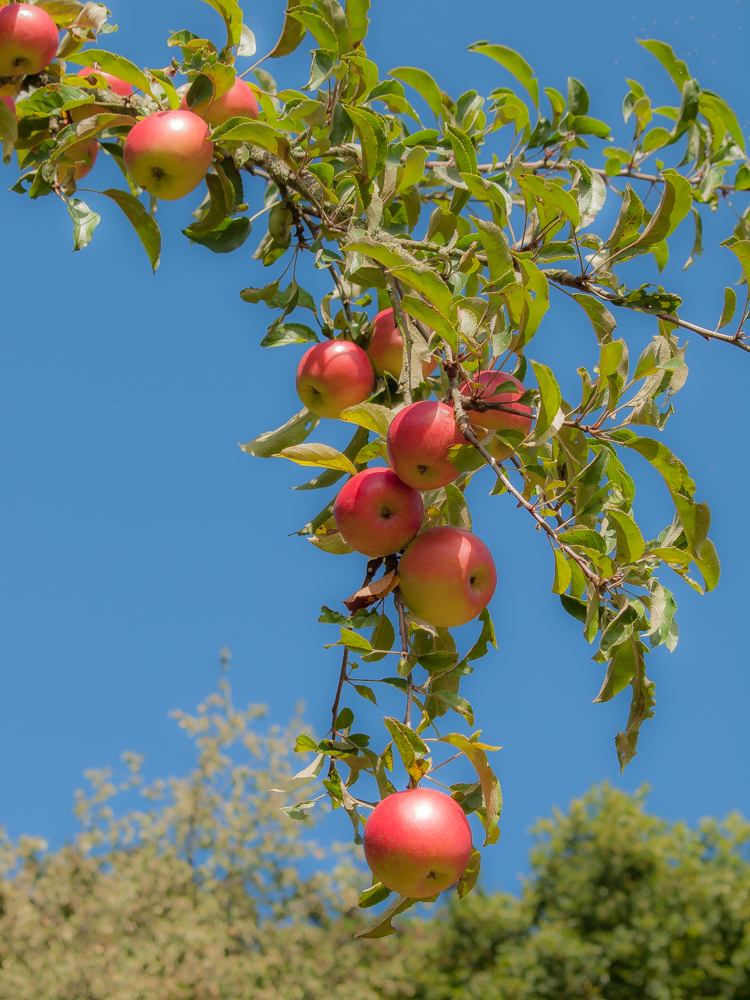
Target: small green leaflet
514,63
321,455
84,222
144,225
294,431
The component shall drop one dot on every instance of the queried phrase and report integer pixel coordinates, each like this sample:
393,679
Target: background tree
474,290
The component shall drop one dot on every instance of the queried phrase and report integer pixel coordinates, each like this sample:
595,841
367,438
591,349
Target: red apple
82,156
334,375
418,441
7,99
377,514
115,84
28,39
168,153
447,576
238,101
418,842
387,346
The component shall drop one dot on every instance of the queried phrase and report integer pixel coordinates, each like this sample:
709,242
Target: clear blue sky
136,539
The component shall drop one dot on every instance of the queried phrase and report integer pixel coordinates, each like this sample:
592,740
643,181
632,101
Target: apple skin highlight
418,842
447,576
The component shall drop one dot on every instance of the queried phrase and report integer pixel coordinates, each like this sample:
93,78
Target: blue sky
136,539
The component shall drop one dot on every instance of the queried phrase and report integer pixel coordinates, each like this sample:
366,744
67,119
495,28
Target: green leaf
427,283
722,109
630,544
118,66
356,15
551,194
382,926
383,637
563,573
535,299
84,221
289,333
514,63
463,149
292,33
293,432
303,777
318,27
373,895
255,295
660,457
578,97
641,708
601,318
144,225
499,260
8,131
352,640
372,137
741,248
676,68
493,799
471,873
229,235
412,749
730,304
550,400
456,508
583,125
676,202
366,692
423,83
586,537
319,455
420,310
628,222
373,416
387,256
259,133
620,671
166,83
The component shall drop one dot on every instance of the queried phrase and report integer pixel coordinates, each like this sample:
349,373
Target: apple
238,101
418,842
82,156
168,153
115,84
387,346
447,576
376,513
334,375
485,385
418,441
7,99
28,39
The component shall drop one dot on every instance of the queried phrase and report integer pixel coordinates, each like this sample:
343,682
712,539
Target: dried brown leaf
372,593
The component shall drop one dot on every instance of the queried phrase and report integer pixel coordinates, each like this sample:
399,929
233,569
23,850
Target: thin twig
339,689
403,326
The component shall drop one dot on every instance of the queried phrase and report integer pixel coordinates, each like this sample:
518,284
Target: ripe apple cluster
167,153
446,575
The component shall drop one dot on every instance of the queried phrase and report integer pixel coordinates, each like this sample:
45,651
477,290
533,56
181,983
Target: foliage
196,894
619,905
199,893
451,212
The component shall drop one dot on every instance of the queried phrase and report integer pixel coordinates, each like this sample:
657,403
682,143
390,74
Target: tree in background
465,221
199,894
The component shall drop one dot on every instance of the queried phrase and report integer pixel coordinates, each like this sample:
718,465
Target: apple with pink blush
334,375
417,842
168,153
447,576
28,39
386,347
376,513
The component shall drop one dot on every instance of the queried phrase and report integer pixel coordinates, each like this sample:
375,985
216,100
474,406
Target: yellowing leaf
319,455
